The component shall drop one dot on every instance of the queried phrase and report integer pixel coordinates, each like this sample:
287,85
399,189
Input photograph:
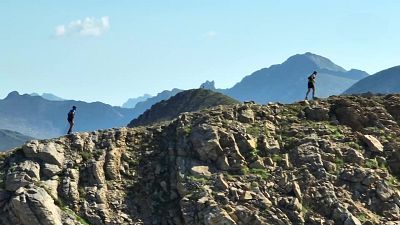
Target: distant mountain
186,101
11,139
210,85
41,118
141,107
384,82
48,96
287,82
131,103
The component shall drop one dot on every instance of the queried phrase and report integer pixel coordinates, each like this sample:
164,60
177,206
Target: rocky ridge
322,162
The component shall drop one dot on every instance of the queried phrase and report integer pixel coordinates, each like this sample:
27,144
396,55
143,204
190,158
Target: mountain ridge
384,82
185,101
334,161
287,82
11,139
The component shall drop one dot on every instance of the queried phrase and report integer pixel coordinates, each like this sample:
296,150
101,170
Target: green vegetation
393,181
88,155
354,145
186,130
254,153
371,163
263,173
277,158
362,217
255,130
307,207
73,214
198,179
244,170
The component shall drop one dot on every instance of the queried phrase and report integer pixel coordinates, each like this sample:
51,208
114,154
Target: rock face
229,165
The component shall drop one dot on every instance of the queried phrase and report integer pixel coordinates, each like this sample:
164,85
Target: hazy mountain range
37,117
49,96
131,103
10,139
44,116
287,82
384,82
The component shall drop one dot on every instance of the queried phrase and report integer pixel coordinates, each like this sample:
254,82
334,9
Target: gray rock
22,174
50,170
34,206
47,152
317,113
374,144
246,116
383,191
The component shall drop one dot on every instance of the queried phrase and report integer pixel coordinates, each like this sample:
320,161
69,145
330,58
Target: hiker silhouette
311,84
70,118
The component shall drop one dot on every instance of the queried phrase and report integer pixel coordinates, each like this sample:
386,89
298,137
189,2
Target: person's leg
308,92
71,124
313,93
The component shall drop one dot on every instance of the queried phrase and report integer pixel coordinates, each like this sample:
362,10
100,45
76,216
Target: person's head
74,107
315,73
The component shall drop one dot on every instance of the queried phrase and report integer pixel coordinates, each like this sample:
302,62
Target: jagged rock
47,152
316,113
113,163
354,175
246,116
217,217
50,170
383,191
205,141
373,143
69,187
22,174
209,167
221,183
258,164
354,156
33,206
352,220
297,190
200,171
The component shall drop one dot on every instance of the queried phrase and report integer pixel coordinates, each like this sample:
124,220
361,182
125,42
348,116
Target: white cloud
210,34
89,26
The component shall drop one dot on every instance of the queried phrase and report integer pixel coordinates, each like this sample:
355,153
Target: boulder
34,206
383,191
246,116
373,143
50,170
316,113
200,171
50,152
22,174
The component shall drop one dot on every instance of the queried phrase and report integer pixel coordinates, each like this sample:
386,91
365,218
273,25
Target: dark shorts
311,85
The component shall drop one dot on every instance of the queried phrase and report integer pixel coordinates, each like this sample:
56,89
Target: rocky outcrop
231,165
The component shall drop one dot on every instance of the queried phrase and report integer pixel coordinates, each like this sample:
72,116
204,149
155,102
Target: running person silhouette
71,117
311,84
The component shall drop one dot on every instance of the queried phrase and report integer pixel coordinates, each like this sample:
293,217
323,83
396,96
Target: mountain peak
13,94
316,61
210,85
185,101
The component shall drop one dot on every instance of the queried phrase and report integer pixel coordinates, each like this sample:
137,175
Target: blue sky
112,50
